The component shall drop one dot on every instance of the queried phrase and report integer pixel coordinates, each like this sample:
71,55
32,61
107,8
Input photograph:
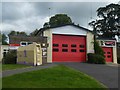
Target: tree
98,49
4,38
34,32
57,20
108,24
0,38
17,33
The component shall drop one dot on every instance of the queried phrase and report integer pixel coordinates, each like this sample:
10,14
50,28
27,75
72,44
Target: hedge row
96,58
10,57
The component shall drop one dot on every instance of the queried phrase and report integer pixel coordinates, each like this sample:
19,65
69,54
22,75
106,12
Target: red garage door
68,48
108,54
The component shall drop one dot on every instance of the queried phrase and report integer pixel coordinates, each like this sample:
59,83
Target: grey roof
18,39
47,28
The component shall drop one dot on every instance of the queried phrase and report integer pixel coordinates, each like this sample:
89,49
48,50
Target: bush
95,58
118,60
10,57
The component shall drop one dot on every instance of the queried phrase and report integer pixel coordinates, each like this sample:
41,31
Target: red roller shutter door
68,48
108,54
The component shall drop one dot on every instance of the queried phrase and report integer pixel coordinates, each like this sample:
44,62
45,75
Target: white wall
90,42
2,47
48,33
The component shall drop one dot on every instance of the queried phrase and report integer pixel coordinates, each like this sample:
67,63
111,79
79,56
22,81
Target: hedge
10,57
95,58
118,60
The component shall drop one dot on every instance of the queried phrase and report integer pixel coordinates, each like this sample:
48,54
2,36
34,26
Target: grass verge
54,77
12,66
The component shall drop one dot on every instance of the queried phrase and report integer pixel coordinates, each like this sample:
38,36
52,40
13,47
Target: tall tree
58,19
0,38
4,38
108,24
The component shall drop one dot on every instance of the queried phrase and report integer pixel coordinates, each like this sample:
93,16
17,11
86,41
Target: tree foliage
98,49
17,33
108,23
0,38
4,38
34,32
10,57
57,20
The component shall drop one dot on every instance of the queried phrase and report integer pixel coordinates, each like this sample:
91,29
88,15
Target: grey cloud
29,16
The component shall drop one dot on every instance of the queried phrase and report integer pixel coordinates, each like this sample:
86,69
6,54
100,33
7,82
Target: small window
108,52
73,50
5,50
55,45
109,56
104,52
55,50
81,46
64,45
64,50
23,43
29,43
73,45
81,50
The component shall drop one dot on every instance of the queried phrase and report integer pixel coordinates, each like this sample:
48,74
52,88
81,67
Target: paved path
106,74
17,71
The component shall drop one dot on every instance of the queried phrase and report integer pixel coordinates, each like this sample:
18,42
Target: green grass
54,77
12,66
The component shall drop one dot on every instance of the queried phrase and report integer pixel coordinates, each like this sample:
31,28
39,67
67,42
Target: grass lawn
54,77
12,66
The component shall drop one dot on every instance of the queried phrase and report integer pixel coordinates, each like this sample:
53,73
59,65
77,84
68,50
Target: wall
2,47
48,33
89,42
68,30
29,55
114,48
114,55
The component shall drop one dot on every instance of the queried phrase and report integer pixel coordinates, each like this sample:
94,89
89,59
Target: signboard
14,44
107,43
13,47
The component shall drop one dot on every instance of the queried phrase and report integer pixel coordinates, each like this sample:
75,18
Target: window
64,50
29,43
109,56
73,45
23,43
55,50
5,50
64,45
104,52
81,46
73,50
108,52
55,45
81,50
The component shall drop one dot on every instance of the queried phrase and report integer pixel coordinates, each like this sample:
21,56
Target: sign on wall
107,43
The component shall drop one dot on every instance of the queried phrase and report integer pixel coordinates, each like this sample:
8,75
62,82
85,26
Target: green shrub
118,60
10,57
95,58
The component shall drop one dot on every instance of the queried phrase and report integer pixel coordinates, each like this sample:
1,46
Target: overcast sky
28,16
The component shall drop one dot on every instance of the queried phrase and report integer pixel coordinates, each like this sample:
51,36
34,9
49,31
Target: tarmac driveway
106,74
